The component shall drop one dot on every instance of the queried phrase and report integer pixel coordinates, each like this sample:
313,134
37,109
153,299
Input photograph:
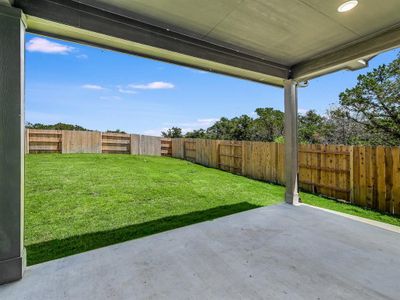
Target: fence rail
366,176
69,141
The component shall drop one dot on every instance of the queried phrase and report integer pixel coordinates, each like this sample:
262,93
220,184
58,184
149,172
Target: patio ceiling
262,40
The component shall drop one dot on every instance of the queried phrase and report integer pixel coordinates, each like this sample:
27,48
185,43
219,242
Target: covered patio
275,252
281,251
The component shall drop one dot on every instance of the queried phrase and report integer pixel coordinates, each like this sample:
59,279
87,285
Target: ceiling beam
344,57
90,19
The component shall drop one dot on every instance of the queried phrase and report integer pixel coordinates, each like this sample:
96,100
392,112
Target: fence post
351,174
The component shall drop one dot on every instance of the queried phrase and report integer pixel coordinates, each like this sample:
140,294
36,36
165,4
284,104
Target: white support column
291,147
12,34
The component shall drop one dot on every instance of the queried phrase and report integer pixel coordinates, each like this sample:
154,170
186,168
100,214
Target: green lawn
79,202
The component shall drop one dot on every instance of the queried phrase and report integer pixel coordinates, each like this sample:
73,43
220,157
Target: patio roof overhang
277,42
266,41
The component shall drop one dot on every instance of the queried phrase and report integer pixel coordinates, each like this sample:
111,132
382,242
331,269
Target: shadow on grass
41,252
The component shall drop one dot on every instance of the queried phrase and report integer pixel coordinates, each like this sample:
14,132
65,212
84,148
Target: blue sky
100,89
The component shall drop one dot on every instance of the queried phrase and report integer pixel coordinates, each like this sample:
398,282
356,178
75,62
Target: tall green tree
58,126
312,128
269,124
375,102
174,132
197,134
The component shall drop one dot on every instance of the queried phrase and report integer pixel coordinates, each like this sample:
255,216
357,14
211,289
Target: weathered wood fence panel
177,148
135,144
68,141
81,142
366,176
150,145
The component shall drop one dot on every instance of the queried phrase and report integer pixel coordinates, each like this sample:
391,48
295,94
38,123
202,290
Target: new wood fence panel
281,164
247,158
389,179
214,150
396,180
381,178
166,147
43,141
203,152
189,149
116,143
230,156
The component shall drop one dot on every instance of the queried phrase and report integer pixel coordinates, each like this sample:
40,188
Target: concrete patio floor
275,252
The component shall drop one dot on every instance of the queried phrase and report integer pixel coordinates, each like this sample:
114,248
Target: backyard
79,202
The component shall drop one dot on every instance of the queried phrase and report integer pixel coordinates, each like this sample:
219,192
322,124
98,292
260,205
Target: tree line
367,114
63,126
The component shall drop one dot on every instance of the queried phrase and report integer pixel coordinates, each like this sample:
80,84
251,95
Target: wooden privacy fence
69,141
366,176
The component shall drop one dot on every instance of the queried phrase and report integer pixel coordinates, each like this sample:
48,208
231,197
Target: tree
115,131
174,132
221,129
375,102
312,128
197,134
58,126
269,124
238,128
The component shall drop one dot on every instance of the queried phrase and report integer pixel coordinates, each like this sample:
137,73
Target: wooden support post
12,140
291,146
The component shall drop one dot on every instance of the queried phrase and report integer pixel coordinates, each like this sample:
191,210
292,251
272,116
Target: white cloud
201,71
207,122
92,87
302,111
199,123
186,127
42,45
155,85
110,98
125,91
156,132
82,56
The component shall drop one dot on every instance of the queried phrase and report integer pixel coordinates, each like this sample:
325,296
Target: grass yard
79,202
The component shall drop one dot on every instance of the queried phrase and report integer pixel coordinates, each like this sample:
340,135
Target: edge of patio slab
382,225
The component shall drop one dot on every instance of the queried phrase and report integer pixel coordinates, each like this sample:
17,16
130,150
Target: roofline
342,58
85,24
84,18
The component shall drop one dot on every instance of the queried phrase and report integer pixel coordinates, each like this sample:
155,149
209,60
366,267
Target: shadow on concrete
49,250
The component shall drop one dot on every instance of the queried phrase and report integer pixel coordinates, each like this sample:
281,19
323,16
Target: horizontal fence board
118,148
115,141
50,147
45,131
115,135
45,139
